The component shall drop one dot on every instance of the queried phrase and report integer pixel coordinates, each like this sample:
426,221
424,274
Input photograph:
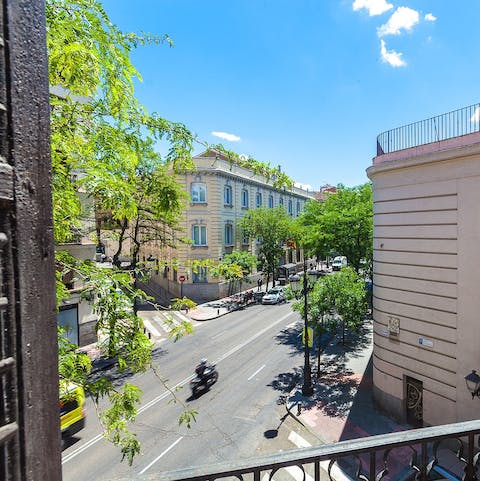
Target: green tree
237,266
102,142
343,293
337,299
343,224
273,228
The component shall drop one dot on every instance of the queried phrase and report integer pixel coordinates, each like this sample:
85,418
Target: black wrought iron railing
369,459
442,127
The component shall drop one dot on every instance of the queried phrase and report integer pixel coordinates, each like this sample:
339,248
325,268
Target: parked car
339,262
275,295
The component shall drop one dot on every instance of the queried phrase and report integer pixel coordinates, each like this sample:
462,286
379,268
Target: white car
339,262
274,295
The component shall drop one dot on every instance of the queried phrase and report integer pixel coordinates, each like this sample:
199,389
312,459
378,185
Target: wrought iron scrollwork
415,401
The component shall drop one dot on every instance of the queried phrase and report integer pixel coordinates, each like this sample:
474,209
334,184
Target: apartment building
220,194
426,191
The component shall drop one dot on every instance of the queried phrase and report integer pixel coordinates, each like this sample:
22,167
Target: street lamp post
307,388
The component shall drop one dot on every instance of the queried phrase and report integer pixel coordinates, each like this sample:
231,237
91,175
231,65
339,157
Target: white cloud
391,57
227,136
476,115
430,18
403,18
374,7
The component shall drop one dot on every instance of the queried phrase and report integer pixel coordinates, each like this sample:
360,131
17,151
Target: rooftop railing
446,126
370,459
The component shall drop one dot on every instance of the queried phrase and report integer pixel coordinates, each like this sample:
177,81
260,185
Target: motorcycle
203,383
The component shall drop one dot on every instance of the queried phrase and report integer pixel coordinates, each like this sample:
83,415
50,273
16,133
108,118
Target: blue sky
305,84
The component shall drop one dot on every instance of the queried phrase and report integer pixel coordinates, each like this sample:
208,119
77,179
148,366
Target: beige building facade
426,302
220,195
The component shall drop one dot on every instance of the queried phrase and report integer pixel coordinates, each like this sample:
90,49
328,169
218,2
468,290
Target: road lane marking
258,334
255,373
292,324
218,335
154,401
143,408
161,455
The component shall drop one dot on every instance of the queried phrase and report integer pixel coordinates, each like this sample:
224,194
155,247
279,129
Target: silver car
274,295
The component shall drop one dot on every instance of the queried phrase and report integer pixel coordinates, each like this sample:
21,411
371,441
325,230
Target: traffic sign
181,278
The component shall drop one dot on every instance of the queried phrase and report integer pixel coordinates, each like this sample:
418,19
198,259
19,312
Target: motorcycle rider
203,369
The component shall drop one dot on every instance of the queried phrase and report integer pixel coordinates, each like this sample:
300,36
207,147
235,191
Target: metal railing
446,126
371,458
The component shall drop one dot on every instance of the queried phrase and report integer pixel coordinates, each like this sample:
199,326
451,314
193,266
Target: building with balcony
426,191
220,194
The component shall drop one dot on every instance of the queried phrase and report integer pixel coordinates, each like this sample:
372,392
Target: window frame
227,195
193,187
245,198
200,227
228,228
201,276
258,197
271,201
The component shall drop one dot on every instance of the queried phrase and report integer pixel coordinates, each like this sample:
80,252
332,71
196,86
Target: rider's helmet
203,361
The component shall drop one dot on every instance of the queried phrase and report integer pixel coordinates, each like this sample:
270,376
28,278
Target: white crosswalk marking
337,473
298,440
159,324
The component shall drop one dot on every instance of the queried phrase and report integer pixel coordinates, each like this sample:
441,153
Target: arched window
227,195
270,201
244,198
258,200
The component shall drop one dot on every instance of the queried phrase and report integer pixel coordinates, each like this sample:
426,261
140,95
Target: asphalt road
258,353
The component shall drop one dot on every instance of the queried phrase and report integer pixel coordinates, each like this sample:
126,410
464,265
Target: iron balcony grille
442,127
370,458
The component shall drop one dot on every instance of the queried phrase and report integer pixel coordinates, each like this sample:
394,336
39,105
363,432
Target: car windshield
274,291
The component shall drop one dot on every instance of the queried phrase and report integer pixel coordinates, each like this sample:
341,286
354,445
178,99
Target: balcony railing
369,459
446,126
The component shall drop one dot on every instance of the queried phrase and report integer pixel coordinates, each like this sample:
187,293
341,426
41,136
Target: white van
339,262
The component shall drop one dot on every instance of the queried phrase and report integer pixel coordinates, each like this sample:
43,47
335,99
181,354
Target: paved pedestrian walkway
342,408
213,309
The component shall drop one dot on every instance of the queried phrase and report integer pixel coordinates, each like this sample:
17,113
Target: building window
227,195
259,240
299,208
199,235
280,201
258,200
245,198
198,192
270,201
290,206
200,275
245,239
228,234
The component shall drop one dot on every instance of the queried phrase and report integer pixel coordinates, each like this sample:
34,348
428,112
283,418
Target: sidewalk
342,407
213,309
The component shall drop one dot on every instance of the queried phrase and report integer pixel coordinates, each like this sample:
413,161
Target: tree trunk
116,257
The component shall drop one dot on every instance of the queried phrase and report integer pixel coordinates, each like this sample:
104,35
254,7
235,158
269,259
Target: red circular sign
181,278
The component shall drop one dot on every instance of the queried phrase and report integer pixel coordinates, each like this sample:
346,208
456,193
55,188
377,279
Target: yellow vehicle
72,408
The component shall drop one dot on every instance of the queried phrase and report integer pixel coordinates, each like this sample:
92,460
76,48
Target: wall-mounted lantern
473,383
